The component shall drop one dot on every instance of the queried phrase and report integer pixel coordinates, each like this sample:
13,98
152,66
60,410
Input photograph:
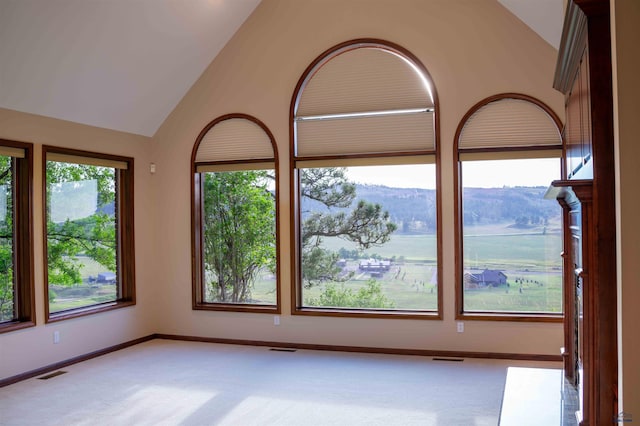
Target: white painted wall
33,347
472,49
625,18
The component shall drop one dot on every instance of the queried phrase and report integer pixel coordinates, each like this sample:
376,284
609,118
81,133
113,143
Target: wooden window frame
125,239
518,316
25,314
198,302
297,307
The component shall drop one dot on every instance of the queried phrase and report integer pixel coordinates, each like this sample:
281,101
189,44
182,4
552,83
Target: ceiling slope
117,64
542,16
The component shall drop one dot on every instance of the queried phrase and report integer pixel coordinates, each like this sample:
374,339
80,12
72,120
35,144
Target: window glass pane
81,235
7,286
368,237
512,236
239,237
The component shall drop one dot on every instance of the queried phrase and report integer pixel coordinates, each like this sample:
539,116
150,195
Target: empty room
319,212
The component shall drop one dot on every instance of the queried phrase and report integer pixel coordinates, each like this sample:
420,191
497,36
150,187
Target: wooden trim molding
24,294
197,237
571,49
125,238
260,343
586,40
61,364
458,229
366,349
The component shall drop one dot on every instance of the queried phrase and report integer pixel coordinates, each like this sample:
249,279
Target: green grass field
85,293
529,254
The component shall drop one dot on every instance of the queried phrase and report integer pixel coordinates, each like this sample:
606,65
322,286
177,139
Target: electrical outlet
460,326
276,320
56,337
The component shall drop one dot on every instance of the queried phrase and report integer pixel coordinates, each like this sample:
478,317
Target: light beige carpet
181,383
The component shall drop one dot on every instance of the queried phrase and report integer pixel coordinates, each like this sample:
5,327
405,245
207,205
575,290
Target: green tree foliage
365,224
339,296
239,233
6,241
92,235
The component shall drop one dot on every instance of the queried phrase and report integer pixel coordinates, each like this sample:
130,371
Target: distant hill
413,209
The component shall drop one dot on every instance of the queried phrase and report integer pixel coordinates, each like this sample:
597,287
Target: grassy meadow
530,256
85,293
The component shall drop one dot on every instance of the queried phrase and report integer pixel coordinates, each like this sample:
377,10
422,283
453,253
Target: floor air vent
448,359
52,375
282,349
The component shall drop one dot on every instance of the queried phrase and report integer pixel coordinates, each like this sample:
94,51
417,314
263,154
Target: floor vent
282,349
52,375
448,359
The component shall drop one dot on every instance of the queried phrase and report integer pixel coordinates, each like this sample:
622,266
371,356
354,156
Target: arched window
235,202
365,198
508,150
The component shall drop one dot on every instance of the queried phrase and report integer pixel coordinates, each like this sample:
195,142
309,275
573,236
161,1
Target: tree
93,234
338,295
366,224
6,240
239,233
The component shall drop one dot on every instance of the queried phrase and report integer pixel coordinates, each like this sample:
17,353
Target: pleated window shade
365,100
10,151
235,139
509,123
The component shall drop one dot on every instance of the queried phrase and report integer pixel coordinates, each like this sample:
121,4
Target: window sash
85,160
234,167
510,155
388,133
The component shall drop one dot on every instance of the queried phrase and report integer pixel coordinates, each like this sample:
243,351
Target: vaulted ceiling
125,64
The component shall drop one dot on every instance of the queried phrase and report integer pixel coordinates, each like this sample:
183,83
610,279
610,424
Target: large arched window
508,150
365,199
235,202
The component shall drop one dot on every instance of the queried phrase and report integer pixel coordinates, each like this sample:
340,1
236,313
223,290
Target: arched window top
234,137
509,121
364,78
364,97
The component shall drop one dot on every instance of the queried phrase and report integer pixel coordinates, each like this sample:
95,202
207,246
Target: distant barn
486,278
372,265
107,278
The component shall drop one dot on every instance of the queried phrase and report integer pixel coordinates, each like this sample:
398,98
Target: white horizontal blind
10,151
235,167
509,122
235,139
90,161
373,134
510,155
365,100
366,161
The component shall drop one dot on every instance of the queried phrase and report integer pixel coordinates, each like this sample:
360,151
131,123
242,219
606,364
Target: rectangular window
89,256
239,237
16,237
512,237
368,237
7,255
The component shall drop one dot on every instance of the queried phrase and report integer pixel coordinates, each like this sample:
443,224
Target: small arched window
235,257
508,150
364,157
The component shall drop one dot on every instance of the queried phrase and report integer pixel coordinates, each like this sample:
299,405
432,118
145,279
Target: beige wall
626,63
32,348
472,48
